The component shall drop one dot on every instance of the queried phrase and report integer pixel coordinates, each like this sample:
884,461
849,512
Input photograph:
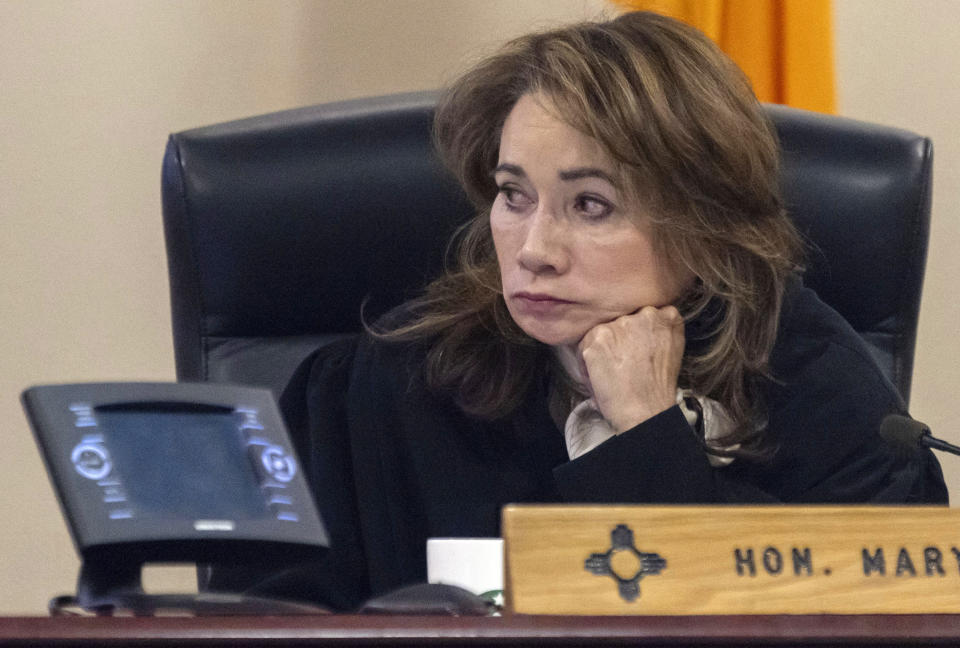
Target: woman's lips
539,303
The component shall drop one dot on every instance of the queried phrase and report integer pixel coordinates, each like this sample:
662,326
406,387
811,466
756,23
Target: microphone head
904,434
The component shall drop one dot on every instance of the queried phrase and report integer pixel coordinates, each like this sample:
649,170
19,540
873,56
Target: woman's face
573,252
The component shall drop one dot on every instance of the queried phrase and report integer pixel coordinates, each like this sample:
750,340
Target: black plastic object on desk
161,472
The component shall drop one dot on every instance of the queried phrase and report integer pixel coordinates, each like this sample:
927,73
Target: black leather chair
279,226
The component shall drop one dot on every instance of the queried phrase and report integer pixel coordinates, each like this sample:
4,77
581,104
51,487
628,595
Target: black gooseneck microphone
906,433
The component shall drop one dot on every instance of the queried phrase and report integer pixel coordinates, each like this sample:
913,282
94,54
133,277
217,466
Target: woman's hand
633,364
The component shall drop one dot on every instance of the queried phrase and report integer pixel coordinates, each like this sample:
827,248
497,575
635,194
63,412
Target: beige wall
89,90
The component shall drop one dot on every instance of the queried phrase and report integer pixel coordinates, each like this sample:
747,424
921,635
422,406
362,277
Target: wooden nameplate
692,560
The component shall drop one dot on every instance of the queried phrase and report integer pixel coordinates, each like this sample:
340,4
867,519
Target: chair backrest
278,227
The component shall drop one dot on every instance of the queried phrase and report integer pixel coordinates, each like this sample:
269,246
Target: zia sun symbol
625,563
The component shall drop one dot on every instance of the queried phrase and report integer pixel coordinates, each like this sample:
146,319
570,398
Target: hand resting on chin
633,363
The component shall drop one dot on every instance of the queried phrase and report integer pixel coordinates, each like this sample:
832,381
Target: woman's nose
543,249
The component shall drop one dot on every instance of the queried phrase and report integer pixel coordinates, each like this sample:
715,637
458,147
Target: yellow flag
784,46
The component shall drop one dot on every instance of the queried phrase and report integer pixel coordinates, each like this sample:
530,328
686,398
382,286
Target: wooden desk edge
371,630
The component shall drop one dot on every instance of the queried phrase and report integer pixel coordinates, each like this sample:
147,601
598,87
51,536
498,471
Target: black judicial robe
393,463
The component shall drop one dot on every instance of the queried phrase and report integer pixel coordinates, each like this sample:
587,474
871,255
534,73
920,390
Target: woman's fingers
633,363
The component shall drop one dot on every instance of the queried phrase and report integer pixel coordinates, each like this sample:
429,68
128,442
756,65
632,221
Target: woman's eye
514,198
592,207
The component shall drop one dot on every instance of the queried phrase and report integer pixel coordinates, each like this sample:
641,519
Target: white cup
475,564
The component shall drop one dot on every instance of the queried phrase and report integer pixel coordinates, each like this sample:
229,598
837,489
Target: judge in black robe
396,463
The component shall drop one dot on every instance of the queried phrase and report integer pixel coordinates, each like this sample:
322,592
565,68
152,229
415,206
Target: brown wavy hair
689,141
